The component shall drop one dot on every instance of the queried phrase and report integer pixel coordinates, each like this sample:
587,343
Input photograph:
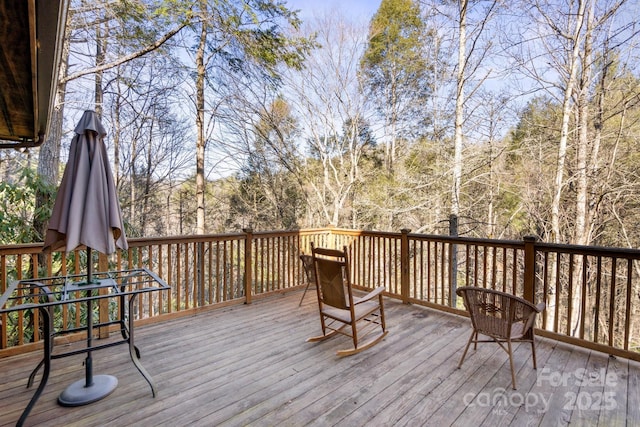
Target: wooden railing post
529,268
332,238
404,265
248,279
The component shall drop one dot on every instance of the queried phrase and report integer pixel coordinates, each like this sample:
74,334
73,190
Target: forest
483,118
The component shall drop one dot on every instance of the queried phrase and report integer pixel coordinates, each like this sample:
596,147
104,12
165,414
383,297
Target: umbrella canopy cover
86,210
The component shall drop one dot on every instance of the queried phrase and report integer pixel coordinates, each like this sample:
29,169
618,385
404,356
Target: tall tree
232,36
472,51
581,233
604,29
573,36
395,71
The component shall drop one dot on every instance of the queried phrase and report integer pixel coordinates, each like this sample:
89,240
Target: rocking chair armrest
540,307
374,293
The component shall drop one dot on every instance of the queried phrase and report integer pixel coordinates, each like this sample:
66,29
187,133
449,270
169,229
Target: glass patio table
48,295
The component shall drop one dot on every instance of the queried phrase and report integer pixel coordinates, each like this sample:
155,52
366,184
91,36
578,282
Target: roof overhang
31,37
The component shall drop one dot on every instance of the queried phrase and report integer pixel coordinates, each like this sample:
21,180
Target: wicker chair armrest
532,315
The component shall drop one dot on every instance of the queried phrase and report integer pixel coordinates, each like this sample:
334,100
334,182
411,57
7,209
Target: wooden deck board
250,365
633,396
390,405
528,410
617,387
369,379
302,391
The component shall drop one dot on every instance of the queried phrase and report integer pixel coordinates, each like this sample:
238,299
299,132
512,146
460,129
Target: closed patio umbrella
87,212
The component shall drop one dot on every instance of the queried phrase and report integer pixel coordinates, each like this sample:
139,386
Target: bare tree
140,102
328,99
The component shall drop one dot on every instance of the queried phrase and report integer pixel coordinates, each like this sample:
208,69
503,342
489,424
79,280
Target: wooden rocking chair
340,311
502,317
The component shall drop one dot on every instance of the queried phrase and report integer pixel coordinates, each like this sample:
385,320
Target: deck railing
592,293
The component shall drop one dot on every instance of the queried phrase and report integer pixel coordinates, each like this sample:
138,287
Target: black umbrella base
78,394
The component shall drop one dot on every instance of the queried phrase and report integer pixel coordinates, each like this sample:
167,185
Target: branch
126,58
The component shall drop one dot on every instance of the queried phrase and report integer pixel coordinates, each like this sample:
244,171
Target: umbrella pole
88,362
89,265
92,388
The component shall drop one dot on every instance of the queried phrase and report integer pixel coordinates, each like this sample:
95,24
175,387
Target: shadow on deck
250,365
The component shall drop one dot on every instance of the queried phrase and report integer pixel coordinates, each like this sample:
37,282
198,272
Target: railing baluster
583,295
545,288
558,291
627,311
570,295
612,300
596,323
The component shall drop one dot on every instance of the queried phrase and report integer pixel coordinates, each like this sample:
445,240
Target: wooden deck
250,365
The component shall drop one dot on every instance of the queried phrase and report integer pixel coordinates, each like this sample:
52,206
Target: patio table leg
133,351
48,327
124,327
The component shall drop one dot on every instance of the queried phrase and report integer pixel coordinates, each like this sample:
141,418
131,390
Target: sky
355,8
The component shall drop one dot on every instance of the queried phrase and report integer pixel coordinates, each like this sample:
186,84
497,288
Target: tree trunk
572,71
582,226
101,45
457,149
200,143
564,131
49,156
116,131
457,156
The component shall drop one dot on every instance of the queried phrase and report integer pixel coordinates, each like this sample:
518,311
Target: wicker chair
502,317
340,311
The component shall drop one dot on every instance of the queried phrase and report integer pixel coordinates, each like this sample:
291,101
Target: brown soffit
31,36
